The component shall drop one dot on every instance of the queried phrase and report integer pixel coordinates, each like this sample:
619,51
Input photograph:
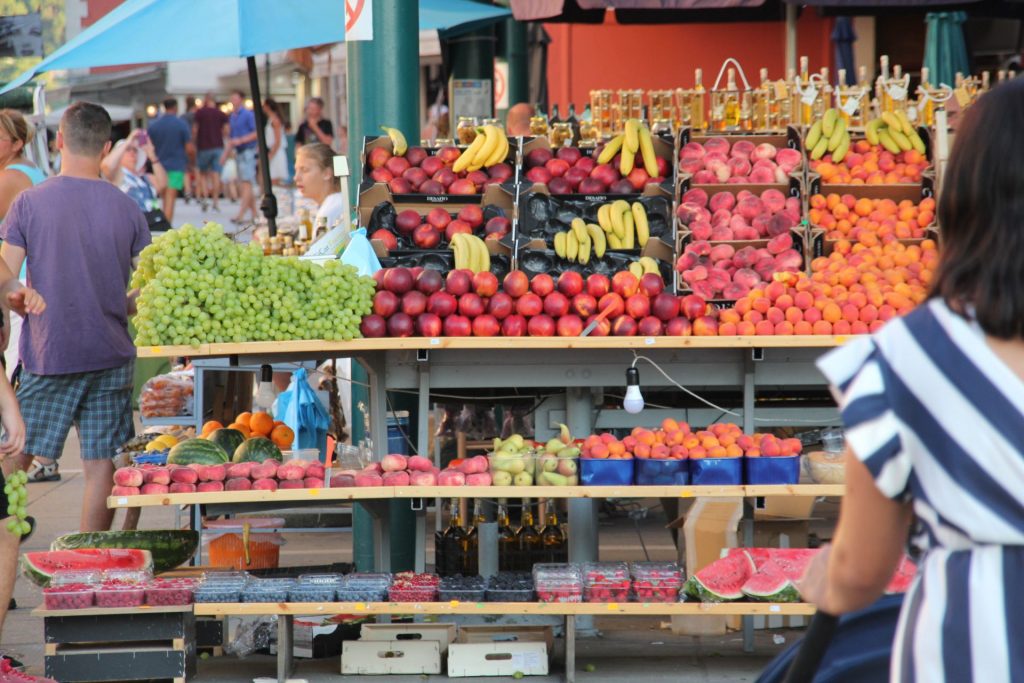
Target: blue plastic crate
599,472
716,471
772,470
662,472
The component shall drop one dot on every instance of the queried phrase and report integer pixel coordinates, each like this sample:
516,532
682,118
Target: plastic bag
360,254
301,409
252,636
167,395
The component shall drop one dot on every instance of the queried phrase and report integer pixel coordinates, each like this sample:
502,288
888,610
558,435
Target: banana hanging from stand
398,144
489,147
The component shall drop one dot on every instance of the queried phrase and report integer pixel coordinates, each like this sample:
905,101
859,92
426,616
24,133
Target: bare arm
278,135
10,416
12,183
320,135
867,548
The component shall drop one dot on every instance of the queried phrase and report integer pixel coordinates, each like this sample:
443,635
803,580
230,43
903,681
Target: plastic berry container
606,582
267,590
462,588
412,587
656,581
73,577
127,576
169,592
219,591
315,588
68,596
558,582
364,587
120,595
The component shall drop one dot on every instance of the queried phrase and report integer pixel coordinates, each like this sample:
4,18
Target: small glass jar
561,134
589,134
662,127
465,131
538,125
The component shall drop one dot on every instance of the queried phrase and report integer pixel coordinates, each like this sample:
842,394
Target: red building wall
614,56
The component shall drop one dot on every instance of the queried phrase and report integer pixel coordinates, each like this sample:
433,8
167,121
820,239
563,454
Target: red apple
575,176
398,280
472,214
598,285
431,187
446,177
500,172
373,326
462,186
569,326
624,326
542,284
387,237
541,326
625,284
557,167
458,282
602,329
569,154
529,305
400,185
414,303
426,237
570,283
512,326
429,281
432,165
381,175
439,218
499,225
665,306
650,327
501,305
679,327
638,178
486,326
429,324
605,173
613,301
692,306
397,165
621,187
559,186
400,324
556,304
651,285
478,178
416,176
407,221
516,283
385,303
456,226
416,155
471,305
377,157
449,154
638,306
442,304
586,163
538,174
592,186
537,157
584,305
485,284
457,326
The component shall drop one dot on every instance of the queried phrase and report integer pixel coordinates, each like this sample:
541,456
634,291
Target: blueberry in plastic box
772,470
716,471
662,472
598,472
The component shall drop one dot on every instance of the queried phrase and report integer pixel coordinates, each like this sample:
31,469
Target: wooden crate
391,657
509,633
442,634
497,659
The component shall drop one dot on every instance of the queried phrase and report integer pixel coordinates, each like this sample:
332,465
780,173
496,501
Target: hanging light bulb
633,402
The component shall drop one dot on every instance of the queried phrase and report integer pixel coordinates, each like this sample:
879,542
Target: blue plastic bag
302,411
359,253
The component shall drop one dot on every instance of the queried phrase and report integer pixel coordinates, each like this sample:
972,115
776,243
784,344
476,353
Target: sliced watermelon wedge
722,580
39,566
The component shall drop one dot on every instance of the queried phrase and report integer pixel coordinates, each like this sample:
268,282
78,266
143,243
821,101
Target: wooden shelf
497,343
549,608
387,492
105,611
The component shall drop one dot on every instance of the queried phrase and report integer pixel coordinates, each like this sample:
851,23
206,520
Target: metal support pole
579,405
749,396
791,12
269,203
517,54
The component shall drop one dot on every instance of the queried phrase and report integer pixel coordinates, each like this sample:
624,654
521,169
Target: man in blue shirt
242,142
172,139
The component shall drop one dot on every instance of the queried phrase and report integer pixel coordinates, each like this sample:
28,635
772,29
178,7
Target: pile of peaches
674,440
870,221
867,164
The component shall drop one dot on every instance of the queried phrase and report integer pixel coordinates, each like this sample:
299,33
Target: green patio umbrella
945,52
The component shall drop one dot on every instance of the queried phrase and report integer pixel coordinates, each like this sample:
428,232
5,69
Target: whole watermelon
257,449
228,439
169,548
199,451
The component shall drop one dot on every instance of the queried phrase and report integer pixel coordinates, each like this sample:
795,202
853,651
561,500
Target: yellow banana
892,121
620,207
837,135
459,250
572,246
649,265
841,150
629,241
604,217
917,142
871,131
636,269
647,152
597,237
483,256
613,241
820,148
491,141
900,139
466,158
500,152
828,123
626,161
611,149
813,135
579,226
905,125
398,143
584,253
632,141
886,141
643,230
560,244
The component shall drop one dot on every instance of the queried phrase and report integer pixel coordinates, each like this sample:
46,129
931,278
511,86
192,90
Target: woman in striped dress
934,411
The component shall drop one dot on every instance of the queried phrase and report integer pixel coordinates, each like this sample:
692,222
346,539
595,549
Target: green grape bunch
17,499
199,287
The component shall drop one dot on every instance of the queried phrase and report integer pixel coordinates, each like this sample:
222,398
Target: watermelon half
722,580
169,548
40,565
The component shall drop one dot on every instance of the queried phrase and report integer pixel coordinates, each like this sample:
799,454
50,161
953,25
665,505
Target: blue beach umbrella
945,52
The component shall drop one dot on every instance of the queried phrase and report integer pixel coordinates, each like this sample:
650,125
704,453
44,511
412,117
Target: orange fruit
243,419
282,436
261,424
241,427
210,427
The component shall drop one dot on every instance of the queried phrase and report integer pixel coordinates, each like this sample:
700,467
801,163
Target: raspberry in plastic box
606,582
558,582
656,581
68,596
412,587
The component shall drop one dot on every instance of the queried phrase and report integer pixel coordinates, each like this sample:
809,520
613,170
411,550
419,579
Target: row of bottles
456,549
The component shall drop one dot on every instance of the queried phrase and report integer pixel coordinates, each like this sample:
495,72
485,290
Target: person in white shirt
315,179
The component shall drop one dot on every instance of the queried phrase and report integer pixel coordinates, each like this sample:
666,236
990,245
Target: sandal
31,529
39,473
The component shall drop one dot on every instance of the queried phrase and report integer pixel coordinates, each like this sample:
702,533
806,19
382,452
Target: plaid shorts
98,403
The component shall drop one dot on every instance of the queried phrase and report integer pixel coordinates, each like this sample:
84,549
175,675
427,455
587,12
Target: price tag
612,606
686,493
809,95
314,492
774,608
480,605
912,113
851,105
434,341
453,603
154,349
122,500
649,341
360,605
781,90
897,92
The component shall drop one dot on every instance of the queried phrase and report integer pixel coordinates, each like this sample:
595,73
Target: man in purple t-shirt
209,128
80,235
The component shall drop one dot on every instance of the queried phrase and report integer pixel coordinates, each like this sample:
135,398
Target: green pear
555,479
549,464
554,445
569,453
501,479
497,444
516,441
523,479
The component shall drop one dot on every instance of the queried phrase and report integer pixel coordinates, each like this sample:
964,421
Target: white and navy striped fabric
938,419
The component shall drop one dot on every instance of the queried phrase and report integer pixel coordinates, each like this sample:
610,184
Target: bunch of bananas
644,265
895,132
489,147
626,226
470,253
637,137
398,144
828,134
580,242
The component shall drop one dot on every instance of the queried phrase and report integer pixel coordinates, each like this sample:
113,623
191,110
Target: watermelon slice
775,580
169,547
903,577
758,555
722,580
39,566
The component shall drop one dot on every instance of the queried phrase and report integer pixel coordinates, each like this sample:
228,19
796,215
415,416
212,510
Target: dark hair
239,93
981,214
86,128
317,101
273,106
170,104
